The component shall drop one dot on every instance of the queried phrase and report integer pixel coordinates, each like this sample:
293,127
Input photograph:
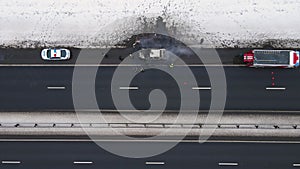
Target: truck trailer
272,58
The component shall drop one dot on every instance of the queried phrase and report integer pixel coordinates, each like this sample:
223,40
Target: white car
56,54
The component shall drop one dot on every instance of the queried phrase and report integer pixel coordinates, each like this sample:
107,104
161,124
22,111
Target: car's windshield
63,53
48,53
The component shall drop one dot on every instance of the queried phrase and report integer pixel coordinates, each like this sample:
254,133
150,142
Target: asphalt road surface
70,155
40,88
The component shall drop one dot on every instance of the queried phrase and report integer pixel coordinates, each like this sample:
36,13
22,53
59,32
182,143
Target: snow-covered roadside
100,23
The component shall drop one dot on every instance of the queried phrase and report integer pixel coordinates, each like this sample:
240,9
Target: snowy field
102,23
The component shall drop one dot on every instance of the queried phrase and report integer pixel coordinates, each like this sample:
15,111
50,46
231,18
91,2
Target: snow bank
100,23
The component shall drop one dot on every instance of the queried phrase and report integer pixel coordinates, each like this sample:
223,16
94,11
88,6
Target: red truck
272,58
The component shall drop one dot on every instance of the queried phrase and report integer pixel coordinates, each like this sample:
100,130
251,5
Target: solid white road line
82,162
56,87
137,141
129,88
155,163
158,110
275,88
121,65
11,162
228,164
296,165
201,88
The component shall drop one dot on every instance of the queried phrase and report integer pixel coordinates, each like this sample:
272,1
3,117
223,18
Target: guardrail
149,125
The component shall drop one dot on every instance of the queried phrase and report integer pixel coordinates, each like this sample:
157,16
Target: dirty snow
100,23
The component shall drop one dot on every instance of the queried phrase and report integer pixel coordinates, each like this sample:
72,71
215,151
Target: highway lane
32,56
50,88
70,155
